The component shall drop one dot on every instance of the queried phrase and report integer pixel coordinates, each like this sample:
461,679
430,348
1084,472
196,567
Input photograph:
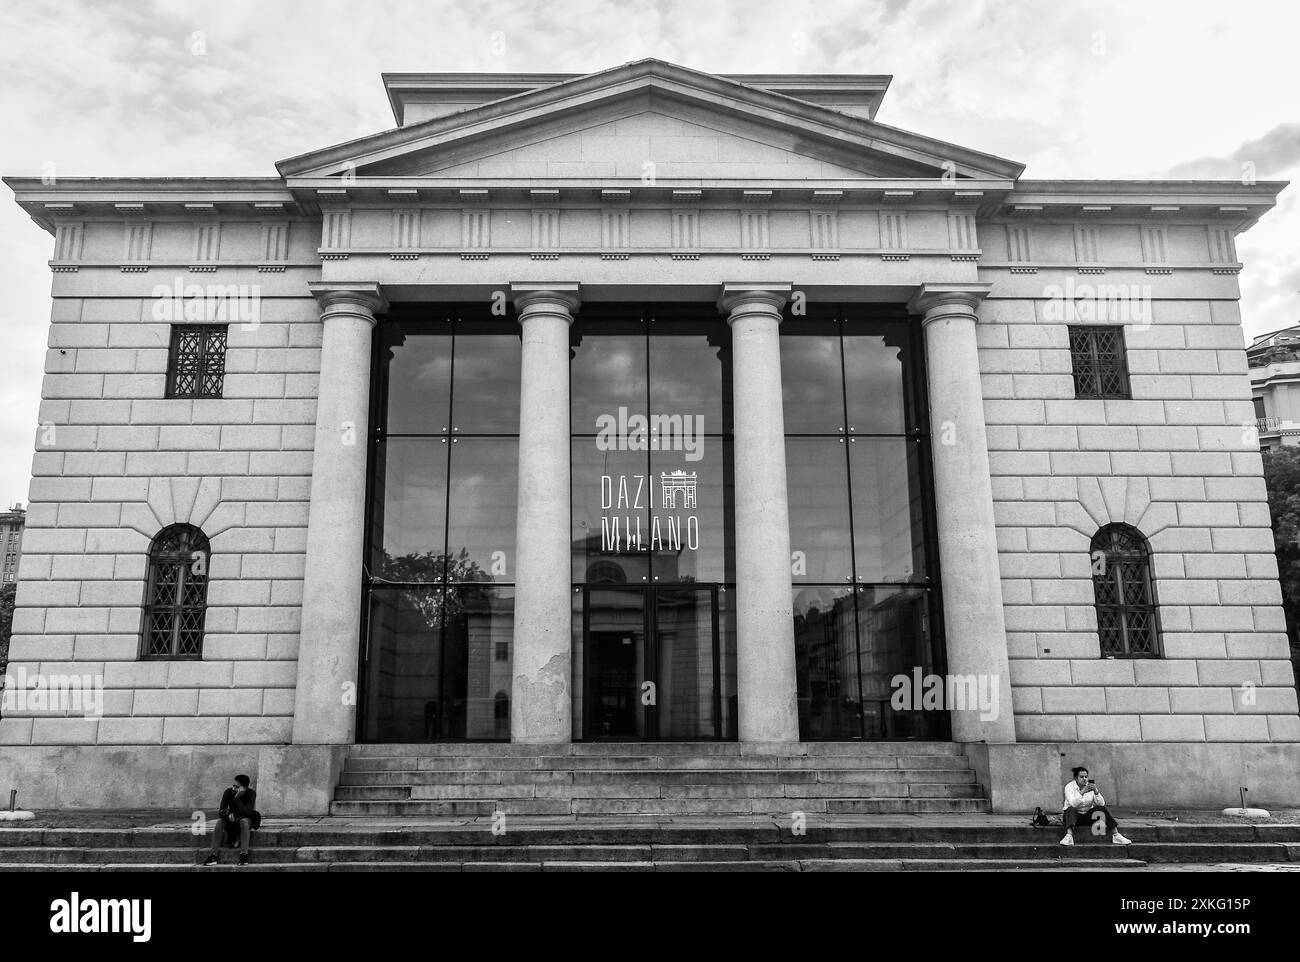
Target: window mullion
1121,369
200,362
201,388
175,641
1123,610
1094,352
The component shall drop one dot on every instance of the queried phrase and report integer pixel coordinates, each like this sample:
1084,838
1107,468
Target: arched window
176,598
1127,619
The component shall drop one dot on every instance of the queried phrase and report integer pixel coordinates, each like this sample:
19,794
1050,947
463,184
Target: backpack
1042,820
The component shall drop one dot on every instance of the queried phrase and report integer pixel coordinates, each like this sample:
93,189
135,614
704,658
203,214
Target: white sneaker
1118,839
1069,839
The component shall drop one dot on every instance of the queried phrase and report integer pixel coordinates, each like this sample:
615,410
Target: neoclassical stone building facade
648,405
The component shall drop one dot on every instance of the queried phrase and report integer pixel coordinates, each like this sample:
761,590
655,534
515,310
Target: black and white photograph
650,436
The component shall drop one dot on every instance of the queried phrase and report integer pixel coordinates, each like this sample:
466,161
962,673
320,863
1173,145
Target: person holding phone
1083,802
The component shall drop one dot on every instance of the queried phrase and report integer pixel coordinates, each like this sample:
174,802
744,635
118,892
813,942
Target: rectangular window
196,367
1098,361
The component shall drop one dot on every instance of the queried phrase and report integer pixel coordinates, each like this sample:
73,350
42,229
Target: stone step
811,865
671,806
350,793
230,866
51,855
1244,852
502,850
653,779
884,763
654,749
964,865
955,830
953,776
450,808
752,774
915,806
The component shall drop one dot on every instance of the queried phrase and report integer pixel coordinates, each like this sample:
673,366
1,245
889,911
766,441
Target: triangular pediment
651,142
652,118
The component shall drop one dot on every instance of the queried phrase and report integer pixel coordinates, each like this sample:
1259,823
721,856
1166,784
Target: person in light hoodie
1084,803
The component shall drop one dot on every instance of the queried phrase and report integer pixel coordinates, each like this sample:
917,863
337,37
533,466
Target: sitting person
236,820
1083,803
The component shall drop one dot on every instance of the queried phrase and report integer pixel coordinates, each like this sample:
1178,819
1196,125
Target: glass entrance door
615,634
656,668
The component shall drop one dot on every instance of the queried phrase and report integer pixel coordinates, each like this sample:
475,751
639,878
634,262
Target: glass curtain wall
863,562
652,515
439,589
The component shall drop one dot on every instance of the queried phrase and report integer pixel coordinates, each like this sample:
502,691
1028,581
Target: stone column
331,594
974,623
765,660
541,692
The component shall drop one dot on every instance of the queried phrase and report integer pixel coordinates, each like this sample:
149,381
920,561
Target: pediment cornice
819,129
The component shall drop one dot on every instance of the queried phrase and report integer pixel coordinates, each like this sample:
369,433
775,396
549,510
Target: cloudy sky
1087,90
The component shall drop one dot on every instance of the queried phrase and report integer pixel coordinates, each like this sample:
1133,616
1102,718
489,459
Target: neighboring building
11,543
1274,361
572,385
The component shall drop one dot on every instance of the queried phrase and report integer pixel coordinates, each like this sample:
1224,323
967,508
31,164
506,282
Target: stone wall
116,462
1180,462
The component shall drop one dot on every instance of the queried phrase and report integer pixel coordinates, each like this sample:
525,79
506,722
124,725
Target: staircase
658,779
650,807
740,844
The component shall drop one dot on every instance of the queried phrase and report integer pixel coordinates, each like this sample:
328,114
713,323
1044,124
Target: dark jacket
234,807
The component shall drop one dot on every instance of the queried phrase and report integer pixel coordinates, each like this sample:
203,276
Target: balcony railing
1277,426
